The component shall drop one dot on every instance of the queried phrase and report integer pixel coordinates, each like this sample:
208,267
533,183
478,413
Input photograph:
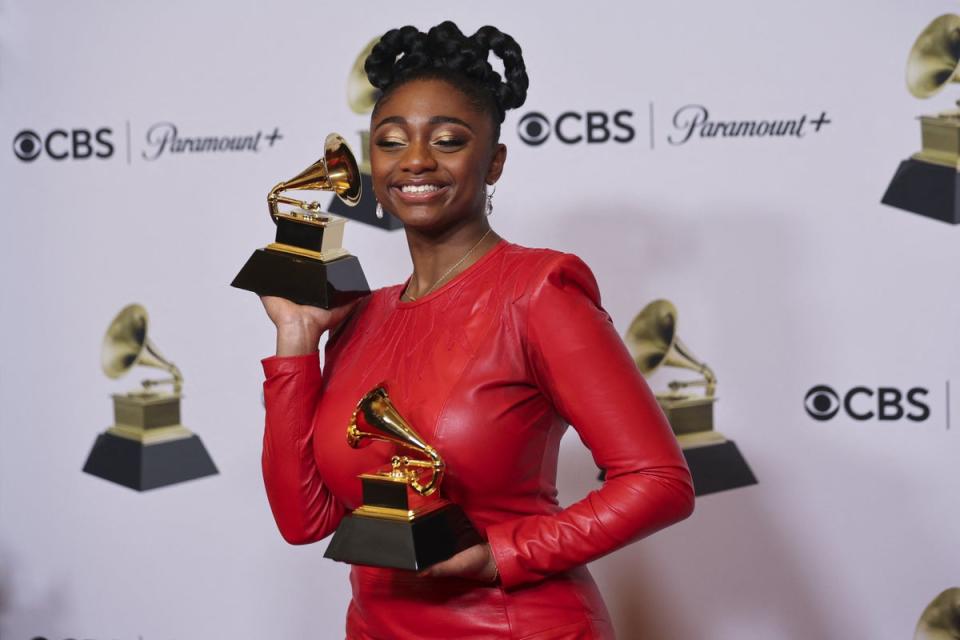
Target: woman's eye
450,142
389,144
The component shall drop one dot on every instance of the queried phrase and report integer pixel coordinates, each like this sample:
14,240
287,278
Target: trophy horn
376,418
126,345
653,341
934,57
361,95
336,171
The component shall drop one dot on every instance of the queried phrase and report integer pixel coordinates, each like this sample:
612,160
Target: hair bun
406,52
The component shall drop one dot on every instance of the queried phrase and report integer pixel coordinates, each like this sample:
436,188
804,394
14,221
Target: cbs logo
571,127
863,403
60,144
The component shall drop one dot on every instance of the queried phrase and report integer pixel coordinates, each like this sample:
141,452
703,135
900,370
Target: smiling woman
490,350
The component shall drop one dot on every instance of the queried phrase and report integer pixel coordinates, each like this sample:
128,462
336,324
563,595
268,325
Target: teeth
419,188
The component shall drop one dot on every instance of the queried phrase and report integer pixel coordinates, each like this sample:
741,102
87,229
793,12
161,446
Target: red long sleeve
581,364
304,508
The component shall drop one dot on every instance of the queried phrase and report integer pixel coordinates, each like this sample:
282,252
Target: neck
433,254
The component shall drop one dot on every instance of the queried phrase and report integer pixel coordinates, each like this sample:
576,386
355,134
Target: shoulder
541,271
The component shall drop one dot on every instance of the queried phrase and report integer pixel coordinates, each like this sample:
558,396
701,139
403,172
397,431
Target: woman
489,349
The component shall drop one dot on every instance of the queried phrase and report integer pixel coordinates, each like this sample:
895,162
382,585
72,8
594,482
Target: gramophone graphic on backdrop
928,182
715,462
361,97
147,447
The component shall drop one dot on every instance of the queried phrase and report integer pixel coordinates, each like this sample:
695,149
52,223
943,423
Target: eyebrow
434,120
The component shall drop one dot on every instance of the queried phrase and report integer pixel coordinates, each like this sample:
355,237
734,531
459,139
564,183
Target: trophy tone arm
274,199
579,362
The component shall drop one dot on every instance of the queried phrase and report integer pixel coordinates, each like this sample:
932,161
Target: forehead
417,101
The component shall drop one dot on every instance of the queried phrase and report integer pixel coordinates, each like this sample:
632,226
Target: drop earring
490,199
379,211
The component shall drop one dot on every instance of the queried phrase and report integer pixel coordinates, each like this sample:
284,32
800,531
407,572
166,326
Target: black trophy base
142,467
931,190
399,544
718,467
365,211
303,280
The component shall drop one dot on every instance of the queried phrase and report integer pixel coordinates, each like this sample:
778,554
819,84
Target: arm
579,361
303,507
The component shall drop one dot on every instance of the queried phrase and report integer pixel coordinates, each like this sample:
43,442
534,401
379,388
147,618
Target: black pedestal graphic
365,211
399,544
931,190
142,467
714,467
303,280
718,467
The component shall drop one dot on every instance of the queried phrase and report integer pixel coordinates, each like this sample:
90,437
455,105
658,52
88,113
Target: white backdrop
786,270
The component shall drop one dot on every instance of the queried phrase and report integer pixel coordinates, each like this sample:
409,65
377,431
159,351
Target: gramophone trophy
403,522
715,462
928,182
147,447
307,263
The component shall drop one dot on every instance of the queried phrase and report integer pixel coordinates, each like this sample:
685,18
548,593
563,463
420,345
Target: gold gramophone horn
941,619
126,345
933,59
336,171
361,95
375,418
653,341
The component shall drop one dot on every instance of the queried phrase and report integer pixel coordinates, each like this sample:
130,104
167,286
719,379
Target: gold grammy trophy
307,264
147,447
715,462
403,522
928,182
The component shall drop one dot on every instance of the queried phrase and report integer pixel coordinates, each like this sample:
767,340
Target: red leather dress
489,368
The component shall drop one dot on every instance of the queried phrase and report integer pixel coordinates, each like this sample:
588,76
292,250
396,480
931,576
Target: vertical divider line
651,124
128,142
948,405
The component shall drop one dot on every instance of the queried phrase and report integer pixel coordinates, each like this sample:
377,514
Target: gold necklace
448,271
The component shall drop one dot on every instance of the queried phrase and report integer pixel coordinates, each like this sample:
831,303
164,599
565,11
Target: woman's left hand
475,563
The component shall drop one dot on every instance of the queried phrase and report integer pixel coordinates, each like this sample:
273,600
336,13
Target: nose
418,157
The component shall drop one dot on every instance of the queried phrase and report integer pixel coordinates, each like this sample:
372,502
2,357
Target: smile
419,193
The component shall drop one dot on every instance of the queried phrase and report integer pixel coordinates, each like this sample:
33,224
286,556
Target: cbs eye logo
60,144
822,402
863,403
572,127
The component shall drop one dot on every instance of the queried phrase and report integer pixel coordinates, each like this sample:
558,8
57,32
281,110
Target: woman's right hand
299,326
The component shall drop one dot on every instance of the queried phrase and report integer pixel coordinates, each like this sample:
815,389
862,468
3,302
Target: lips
419,192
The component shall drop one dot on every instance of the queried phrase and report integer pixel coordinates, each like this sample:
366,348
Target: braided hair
445,53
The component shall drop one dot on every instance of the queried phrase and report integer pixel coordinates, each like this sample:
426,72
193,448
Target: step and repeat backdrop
767,193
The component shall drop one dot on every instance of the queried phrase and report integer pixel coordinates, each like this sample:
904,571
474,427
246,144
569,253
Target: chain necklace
448,271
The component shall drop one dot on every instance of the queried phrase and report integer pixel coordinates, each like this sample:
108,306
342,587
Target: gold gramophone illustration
308,264
361,97
147,447
403,522
715,462
928,182
941,618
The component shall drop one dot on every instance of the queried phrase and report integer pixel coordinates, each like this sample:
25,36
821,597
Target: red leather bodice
489,369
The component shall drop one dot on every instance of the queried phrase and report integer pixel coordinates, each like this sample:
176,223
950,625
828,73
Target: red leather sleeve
303,507
579,361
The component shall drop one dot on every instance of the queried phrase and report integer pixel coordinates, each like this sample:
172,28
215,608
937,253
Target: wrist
296,339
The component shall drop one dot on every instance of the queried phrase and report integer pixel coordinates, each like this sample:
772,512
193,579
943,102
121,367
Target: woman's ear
496,163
